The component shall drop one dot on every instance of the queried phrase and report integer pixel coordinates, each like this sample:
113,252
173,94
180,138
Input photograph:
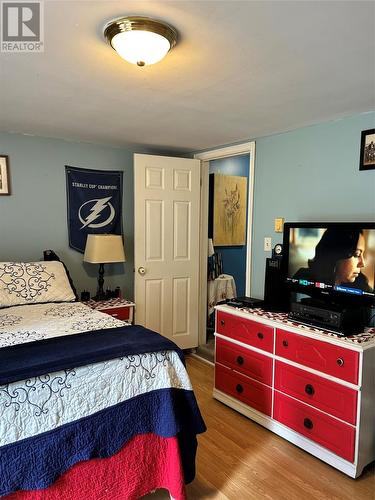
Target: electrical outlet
267,244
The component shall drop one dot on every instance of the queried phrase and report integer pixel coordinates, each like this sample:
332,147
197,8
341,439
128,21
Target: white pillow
33,282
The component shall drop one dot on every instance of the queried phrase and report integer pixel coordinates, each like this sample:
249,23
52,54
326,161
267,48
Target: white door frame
214,154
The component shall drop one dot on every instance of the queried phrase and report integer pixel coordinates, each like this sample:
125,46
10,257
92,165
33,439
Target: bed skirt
147,462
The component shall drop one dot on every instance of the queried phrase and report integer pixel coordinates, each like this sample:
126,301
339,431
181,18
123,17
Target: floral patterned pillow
33,282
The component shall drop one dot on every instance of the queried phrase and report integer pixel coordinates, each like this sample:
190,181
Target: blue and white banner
94,203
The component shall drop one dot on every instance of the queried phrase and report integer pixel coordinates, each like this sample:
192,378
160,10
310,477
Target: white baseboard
194,355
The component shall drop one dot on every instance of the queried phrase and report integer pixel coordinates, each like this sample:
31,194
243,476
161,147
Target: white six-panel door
166,246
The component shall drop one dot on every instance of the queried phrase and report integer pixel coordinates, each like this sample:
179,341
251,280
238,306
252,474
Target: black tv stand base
335,317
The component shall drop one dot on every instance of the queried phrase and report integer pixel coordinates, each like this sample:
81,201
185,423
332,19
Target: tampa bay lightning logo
98,209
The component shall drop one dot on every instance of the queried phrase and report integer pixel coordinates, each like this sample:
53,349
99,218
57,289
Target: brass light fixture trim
138,23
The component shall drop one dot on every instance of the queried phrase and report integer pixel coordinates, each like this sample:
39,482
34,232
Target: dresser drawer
245,330
250,363
252,393
122,313
319,427
328,396
328,358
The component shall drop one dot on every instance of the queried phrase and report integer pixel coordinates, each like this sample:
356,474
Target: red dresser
309,386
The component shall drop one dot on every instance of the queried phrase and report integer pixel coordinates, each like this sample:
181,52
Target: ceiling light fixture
140,40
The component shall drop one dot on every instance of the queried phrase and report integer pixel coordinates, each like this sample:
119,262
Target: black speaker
276,297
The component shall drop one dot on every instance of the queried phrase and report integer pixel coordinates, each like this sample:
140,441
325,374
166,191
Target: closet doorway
227,273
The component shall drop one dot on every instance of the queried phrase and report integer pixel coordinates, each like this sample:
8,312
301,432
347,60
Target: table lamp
103,249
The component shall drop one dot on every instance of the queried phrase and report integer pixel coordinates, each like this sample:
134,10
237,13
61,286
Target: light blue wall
234,258
304,175
33,218
309,174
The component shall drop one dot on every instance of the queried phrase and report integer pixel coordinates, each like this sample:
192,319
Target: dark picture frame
4,175
367,152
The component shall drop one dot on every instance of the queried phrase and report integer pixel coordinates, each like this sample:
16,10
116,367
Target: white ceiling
241,70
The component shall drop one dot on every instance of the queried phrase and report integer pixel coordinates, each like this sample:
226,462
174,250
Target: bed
90,407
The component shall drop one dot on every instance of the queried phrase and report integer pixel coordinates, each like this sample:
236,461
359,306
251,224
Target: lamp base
100,295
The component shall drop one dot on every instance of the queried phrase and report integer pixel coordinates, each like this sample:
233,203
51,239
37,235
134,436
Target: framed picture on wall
4,175
229,210
367,154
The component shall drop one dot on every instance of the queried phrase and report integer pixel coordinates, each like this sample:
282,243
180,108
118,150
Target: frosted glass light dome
140,40
141,47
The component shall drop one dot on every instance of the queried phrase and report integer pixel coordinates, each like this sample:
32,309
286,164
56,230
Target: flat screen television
332,261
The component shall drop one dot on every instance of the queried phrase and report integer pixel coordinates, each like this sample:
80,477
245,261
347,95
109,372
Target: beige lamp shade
104,248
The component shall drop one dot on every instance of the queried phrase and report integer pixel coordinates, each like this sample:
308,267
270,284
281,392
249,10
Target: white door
166,246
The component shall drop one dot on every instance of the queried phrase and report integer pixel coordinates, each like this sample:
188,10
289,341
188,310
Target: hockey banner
94,202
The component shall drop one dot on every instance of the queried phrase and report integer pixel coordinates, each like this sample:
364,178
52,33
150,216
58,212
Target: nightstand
118,308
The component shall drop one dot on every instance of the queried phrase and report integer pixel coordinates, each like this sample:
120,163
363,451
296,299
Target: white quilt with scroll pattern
39,404
27,323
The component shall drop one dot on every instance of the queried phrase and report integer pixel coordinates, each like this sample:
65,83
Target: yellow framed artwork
229,207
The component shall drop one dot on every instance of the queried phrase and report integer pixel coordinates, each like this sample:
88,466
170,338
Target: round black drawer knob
340,362
309,389
285,343
240,360
222,322
308,423
239,388
260,335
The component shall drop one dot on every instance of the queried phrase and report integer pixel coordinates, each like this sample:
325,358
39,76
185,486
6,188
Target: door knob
141,270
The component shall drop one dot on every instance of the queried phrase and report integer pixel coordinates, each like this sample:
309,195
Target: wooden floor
240,460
